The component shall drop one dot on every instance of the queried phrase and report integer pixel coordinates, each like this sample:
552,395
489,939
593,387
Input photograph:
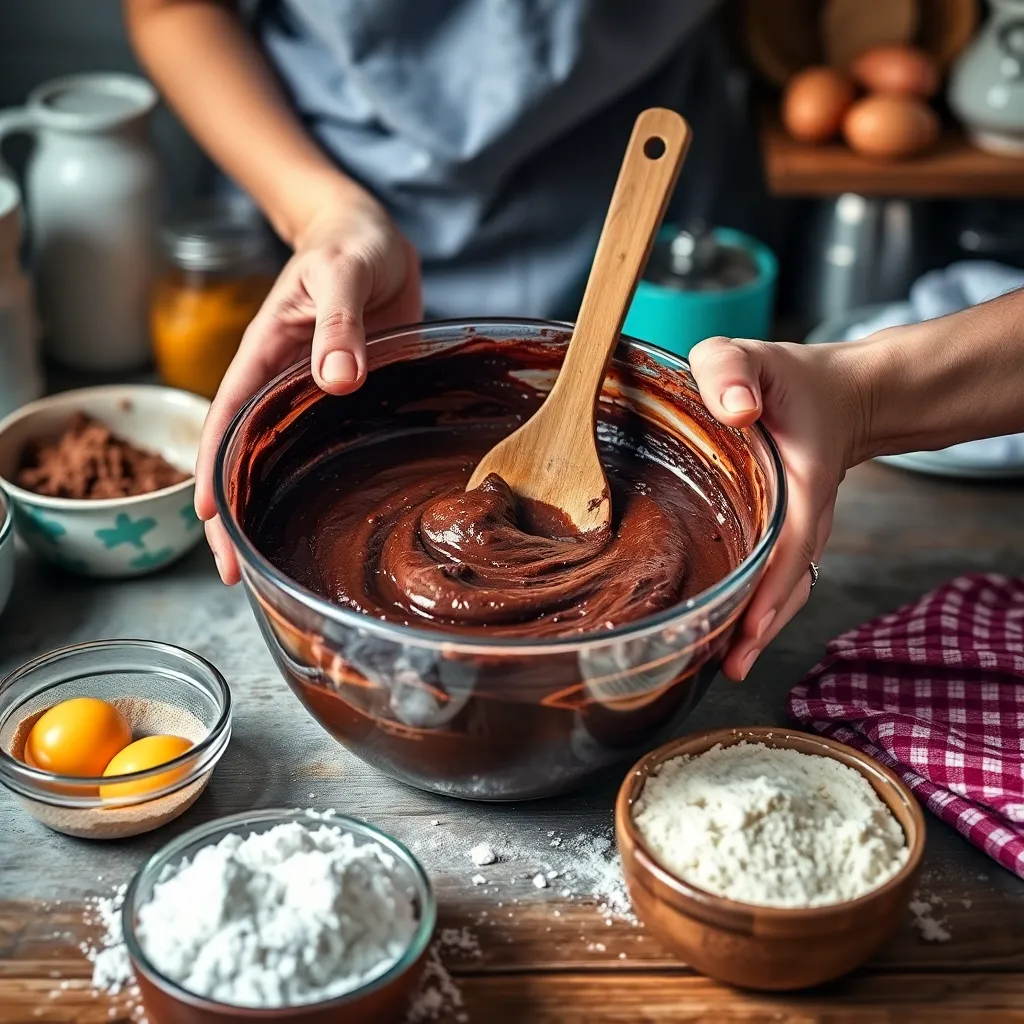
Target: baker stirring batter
461,153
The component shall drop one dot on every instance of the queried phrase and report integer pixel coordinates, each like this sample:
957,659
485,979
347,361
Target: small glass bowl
385,998
160,688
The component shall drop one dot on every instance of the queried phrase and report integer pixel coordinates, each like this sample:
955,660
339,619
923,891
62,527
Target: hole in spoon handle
654,148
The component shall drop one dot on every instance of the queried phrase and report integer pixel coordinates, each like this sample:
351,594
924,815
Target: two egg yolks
87,737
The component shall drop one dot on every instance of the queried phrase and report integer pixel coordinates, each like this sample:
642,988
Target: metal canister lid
215,236
695,260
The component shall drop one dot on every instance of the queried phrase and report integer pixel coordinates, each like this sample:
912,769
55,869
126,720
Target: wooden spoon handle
648,175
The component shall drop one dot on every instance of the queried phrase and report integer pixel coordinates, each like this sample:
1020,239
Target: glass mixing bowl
495,718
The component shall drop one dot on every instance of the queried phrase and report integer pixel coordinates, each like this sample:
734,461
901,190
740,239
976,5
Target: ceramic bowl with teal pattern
109,537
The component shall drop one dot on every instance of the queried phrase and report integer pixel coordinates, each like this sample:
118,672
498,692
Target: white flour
280,918
771,827
930,927
482,854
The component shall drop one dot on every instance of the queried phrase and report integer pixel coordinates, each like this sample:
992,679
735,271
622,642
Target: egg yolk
149,752
77,737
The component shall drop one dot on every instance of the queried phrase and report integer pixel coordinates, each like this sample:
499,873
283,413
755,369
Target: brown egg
814,104
897,69
890,127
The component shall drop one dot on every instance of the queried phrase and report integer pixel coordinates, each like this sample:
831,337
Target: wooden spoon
553,456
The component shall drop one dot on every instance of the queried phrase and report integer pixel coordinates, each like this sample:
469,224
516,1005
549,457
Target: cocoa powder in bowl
89,462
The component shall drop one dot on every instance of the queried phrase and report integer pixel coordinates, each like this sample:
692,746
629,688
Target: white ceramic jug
92,192
986,86
21,379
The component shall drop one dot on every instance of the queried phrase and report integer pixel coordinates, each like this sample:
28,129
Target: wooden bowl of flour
758,946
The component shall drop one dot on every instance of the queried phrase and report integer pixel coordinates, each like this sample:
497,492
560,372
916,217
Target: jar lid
215,237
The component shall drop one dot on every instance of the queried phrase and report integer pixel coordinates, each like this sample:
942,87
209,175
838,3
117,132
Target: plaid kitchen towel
935,691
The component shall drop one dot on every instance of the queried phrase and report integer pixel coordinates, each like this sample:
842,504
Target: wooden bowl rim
722,912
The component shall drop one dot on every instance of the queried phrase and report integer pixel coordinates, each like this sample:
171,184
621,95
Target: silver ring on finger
813,569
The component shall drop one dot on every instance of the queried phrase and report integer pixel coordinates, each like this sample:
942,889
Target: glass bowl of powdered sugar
304,916
768,858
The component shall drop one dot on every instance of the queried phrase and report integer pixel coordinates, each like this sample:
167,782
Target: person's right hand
352,274
814,403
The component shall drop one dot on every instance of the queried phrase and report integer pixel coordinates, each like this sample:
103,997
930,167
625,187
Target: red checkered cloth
935,691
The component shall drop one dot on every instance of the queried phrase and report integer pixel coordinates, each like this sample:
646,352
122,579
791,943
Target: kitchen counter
543,956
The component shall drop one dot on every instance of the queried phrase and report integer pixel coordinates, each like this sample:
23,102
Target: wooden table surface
542,957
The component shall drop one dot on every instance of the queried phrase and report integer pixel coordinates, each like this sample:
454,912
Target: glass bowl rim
25,780
454,642
221,827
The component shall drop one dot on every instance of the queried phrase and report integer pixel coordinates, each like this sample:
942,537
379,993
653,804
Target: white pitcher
92,194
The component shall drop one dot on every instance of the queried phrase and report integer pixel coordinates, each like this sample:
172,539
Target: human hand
352,274
811,400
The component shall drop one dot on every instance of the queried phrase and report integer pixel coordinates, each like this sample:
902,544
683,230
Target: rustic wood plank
655,997
568,998
30,1001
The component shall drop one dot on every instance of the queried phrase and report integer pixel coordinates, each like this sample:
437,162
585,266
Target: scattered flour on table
111,968
585,866
280,918
437,996
930,927
772,827
482,854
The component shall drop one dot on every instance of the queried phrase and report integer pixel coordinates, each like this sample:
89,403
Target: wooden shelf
952,170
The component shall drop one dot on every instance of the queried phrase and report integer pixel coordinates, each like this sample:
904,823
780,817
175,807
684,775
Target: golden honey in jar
218,272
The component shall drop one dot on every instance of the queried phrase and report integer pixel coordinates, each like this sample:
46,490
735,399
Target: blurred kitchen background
901,151
42,40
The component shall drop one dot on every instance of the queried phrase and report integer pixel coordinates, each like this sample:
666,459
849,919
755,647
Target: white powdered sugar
280,918
773,827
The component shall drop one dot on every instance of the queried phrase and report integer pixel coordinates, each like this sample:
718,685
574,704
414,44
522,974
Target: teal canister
703,283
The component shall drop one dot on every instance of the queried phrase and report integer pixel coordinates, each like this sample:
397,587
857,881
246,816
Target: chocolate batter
382,523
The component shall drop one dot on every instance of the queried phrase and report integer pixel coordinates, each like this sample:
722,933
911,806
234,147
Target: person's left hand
810,400
353,274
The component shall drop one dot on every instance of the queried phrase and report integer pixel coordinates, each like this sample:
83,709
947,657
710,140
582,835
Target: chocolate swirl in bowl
385,526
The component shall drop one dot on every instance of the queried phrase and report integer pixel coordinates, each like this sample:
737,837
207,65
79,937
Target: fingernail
748,663
339,367
738,399
766,621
